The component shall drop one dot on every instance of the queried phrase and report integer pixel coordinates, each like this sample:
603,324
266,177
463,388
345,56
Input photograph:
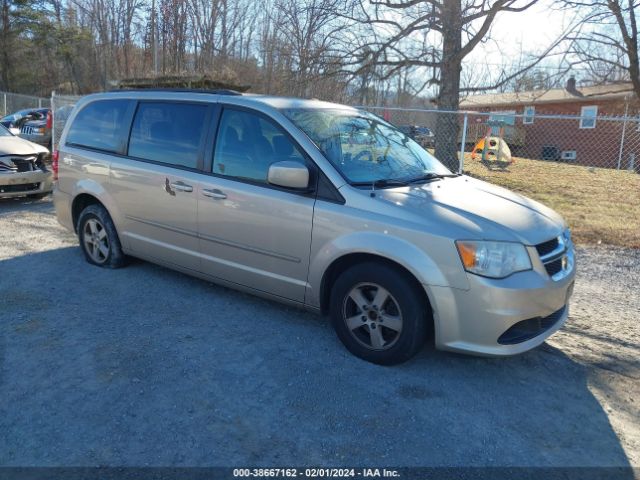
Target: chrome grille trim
558,251
562,253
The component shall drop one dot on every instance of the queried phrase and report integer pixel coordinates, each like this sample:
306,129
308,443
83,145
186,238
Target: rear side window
168,132
100,125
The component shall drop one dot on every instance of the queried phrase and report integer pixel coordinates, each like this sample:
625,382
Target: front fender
400,251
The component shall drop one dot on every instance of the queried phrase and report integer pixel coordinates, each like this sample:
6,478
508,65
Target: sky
515,38
531,31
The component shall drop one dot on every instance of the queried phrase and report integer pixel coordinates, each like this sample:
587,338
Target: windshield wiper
382,183
431,176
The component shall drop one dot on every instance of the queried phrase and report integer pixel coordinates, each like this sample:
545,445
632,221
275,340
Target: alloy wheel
372,316
96,241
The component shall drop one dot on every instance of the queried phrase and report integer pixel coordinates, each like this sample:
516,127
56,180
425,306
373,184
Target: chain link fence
497,139
13,102
61,106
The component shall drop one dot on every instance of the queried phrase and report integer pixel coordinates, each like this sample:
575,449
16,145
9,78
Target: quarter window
168,132
100,125
588,116
247,144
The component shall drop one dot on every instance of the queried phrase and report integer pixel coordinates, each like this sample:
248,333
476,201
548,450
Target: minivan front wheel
379,314
98,238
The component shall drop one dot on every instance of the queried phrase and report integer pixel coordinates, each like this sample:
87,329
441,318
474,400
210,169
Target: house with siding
586,137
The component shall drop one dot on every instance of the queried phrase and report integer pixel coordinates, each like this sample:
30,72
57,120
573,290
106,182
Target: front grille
553,267
20,164
7,166
547,247
552,252
24,187
530,328
23,165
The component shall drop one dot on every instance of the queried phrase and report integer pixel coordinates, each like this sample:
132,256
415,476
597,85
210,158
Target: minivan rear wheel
98,238
379,313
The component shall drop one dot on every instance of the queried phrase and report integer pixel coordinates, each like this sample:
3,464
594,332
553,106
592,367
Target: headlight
493,259
566,235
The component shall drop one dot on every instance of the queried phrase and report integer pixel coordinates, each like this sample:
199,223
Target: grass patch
601,205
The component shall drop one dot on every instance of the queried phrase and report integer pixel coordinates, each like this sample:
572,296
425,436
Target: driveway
145,366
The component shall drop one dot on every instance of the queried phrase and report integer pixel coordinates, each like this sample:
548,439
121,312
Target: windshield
4,132
9,118
16,115
364,147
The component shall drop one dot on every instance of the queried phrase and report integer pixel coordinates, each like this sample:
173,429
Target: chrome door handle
214,193
182,187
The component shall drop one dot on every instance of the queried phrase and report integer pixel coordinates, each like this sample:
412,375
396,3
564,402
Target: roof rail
221,91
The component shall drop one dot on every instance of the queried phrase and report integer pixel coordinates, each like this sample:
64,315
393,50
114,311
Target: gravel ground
146,366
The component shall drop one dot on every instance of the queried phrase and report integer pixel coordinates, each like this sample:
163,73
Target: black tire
407,299
97,215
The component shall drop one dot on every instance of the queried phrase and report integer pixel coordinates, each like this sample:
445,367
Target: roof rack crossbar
220,91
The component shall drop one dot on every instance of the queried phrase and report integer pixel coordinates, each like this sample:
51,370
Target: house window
529,112
588,116
508,117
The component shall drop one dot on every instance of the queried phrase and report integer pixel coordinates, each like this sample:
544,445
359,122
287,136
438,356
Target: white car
22,167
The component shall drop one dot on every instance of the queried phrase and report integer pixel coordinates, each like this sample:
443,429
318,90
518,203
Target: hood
482,210
19,146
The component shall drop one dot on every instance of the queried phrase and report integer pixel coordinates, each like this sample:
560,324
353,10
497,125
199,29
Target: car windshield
364,147
4,132
10,118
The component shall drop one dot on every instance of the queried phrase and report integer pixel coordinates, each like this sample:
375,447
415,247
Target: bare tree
308,29
607,43
434,36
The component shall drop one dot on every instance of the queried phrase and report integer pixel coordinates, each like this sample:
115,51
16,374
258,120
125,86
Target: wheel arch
349,260
80,202
91,192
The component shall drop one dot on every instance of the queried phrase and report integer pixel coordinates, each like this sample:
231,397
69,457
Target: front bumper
25,183
482,320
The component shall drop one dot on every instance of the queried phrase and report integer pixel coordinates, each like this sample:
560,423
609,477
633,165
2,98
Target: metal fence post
5,105
624,130
464,141
53,121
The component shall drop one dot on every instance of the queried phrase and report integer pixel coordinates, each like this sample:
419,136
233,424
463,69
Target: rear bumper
62,204
25,183
501,317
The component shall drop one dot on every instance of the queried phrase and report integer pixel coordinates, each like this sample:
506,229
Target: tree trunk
5,46
447,124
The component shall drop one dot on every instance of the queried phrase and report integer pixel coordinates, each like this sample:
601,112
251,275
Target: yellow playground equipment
493,150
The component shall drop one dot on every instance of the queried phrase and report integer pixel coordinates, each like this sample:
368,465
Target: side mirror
289,174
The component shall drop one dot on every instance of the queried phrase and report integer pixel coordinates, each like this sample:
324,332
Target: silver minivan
319,205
